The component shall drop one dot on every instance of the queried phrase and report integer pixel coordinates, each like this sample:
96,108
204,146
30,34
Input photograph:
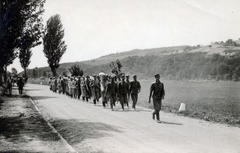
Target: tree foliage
14,72
31,34
54,46
116,67
14,15
76,70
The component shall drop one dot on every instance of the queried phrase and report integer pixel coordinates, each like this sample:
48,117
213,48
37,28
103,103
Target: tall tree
24,58
54,46
31,34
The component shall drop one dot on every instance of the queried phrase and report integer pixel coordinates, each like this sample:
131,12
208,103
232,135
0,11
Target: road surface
103,130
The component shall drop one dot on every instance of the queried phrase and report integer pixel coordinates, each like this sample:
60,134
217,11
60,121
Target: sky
94,28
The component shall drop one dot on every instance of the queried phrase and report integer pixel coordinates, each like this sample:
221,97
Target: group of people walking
110,89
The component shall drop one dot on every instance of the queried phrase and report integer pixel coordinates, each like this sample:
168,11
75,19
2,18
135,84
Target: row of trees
21,29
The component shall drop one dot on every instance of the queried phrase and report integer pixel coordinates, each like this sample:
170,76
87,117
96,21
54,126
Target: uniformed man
128,83
111,92
123,91
9,85
95,89
157,93
78,87
135,88
20,84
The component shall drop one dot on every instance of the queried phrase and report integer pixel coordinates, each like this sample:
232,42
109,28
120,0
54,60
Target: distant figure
95,88
20,84
83,89
135,88
103,85
157,93
54,84
72,87
111,92
128,83
50,83
9,85
78,87
59,85
123,91
88,89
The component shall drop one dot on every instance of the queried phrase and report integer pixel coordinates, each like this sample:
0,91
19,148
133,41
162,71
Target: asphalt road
133,131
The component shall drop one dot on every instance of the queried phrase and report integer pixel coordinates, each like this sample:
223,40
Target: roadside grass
38,81
211,101
217,102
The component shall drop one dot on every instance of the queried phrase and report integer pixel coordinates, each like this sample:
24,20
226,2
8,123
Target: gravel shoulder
23,129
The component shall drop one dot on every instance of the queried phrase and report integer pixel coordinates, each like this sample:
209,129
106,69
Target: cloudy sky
98,27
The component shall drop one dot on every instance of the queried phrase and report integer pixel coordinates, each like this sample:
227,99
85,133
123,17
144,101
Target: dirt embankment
22,128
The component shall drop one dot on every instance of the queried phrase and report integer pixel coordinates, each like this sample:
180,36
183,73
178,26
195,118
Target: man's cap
134,76
157,74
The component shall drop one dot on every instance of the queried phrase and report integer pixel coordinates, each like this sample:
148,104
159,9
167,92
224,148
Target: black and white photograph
120,76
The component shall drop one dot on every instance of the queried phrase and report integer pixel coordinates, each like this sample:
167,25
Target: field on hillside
214,101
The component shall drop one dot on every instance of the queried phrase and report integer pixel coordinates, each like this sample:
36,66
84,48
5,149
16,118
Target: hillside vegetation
215,61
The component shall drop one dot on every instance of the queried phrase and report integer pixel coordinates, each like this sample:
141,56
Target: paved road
134,131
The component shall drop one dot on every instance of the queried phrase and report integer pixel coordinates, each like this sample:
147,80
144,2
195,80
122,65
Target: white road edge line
53,129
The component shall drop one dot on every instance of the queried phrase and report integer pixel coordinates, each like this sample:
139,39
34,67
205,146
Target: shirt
135,87
158,90
123,87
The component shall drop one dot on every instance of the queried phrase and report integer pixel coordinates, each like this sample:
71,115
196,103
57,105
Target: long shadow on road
41,97
34,89
171,123
76,131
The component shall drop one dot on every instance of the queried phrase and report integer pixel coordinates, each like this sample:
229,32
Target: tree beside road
53,45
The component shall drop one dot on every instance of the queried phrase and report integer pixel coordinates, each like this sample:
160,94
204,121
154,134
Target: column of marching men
102,88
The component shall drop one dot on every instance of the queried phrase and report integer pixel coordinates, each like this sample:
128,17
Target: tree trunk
5,74
54,71
1,81
25,73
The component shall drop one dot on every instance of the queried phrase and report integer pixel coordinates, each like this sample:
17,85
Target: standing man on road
9,85
157,93
135,88
20,84
78,87
95,89
128,82
111,92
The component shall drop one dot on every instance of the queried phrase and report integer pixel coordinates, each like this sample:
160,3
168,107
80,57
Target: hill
177,62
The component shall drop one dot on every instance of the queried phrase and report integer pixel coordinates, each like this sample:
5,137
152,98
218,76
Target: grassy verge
216,102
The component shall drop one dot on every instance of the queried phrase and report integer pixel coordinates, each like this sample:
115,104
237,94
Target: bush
235,77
